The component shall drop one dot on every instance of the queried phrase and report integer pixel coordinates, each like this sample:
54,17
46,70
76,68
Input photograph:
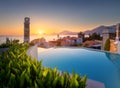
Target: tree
80,35
95,36
107,45
7,41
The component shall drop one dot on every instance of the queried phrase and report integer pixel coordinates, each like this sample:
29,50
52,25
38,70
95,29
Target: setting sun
40,32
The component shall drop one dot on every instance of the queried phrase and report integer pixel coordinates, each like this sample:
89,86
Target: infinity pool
97,65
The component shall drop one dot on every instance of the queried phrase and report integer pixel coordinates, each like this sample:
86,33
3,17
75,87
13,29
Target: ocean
32,37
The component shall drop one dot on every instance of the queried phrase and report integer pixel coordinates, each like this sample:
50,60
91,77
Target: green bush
9,43
4,45
80,45
107,45
86,45
17,70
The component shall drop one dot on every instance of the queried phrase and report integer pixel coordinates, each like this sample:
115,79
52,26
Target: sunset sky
53,16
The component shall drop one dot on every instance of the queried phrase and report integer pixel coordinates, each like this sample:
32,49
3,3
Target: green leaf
36,86
22,79
11,82
45,73
55,70
34,68
21,54
15,70
55,81
76,83
8,73
13,55
62,80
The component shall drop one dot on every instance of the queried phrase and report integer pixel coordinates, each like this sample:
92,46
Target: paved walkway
94,84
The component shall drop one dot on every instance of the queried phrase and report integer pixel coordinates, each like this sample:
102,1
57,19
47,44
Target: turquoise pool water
97,65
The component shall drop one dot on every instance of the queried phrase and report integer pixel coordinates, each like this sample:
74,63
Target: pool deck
94,84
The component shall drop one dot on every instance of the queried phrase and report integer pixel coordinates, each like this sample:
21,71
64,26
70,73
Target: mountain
68,33
99,30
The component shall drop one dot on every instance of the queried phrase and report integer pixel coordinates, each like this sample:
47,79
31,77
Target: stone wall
113,46
118,47
105,34
33,52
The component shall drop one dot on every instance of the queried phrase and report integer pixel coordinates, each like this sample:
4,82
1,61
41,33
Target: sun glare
40,32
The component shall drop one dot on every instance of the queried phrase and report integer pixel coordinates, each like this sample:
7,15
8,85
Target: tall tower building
26,30
118,32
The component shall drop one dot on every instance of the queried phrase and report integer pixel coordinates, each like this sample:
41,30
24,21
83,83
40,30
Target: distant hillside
100,29
68,33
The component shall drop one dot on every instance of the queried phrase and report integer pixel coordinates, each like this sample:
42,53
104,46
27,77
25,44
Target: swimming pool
97,65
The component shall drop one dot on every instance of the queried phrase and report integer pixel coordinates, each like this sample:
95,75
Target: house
79,41
40,42
92,44
71,41
52,43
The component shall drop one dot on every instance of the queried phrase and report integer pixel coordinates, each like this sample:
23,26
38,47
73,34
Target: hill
99,30
68,33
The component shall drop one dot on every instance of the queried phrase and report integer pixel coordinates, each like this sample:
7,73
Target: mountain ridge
98,30
66,32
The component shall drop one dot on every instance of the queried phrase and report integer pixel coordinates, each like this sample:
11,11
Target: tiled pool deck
94,84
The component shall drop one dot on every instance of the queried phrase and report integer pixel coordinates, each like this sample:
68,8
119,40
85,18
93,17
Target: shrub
4,45
86,45
107,45
9,43
80,45
17,70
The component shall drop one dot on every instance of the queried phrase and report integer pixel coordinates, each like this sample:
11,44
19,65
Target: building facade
26,30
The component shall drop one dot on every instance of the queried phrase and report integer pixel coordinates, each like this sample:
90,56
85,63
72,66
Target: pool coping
85,48
94,84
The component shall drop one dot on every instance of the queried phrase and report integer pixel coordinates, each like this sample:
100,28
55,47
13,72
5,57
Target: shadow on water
114,58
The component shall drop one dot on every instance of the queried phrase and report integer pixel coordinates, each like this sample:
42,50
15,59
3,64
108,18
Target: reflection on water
114,58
